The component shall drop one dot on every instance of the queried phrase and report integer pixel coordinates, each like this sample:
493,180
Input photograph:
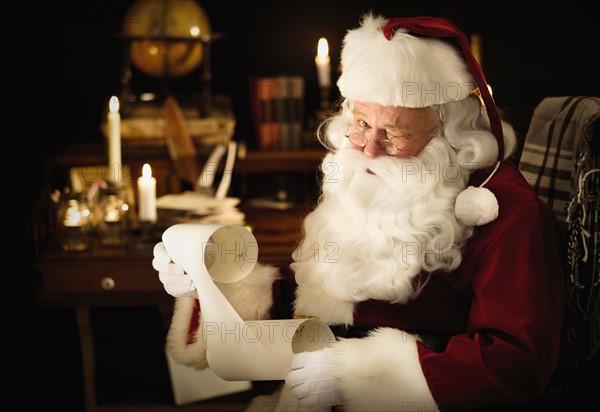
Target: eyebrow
356,113
389,126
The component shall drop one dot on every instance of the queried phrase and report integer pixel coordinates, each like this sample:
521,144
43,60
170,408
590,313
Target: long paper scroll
237,349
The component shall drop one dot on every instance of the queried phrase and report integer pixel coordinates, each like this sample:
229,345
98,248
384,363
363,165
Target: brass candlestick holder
324,109
325,93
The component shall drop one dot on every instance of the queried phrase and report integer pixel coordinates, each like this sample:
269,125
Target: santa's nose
373,148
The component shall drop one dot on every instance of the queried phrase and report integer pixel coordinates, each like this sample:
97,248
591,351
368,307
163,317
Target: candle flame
322,47
146,171
113,104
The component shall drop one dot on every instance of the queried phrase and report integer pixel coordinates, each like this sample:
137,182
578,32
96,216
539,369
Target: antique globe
166,36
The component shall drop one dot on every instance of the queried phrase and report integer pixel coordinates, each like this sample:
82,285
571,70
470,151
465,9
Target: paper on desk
237,349
225,217
195,203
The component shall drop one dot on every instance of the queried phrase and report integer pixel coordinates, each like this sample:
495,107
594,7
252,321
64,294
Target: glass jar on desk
112,216
74,222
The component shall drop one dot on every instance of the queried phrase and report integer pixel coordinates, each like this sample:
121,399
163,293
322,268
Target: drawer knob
107,283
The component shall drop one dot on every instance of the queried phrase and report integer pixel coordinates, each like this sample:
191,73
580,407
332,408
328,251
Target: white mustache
433,165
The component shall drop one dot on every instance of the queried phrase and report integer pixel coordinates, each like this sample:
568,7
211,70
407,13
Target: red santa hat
415,62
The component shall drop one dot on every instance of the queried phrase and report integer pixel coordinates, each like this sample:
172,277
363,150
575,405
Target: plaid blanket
561,161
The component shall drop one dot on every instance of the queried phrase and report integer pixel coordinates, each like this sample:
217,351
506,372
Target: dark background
530,51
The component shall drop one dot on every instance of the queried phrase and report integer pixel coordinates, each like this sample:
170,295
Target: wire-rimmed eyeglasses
359,139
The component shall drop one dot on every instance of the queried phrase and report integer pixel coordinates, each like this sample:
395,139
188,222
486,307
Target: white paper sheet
196,203
237,349
193,385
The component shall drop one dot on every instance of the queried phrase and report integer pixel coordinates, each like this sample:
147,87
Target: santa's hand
311,379
176,282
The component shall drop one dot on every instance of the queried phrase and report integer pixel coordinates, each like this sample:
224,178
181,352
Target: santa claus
428,254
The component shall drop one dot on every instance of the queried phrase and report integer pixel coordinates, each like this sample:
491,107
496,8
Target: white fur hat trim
406,71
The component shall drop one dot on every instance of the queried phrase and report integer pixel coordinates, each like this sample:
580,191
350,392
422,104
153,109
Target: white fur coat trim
382,372
251,297
314,301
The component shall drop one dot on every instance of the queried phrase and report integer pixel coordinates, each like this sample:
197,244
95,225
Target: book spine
294,95
282,114
264,93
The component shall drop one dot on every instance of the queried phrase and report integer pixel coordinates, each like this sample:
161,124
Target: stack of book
278,111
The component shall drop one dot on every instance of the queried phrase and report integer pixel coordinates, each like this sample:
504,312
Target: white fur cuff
382,372
190,354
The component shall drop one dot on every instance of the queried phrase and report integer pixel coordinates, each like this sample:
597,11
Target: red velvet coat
503,306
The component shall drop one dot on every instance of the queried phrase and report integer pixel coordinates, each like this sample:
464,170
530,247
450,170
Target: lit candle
114,138
147,195
323,64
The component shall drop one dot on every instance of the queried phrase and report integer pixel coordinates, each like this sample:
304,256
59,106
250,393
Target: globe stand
204,92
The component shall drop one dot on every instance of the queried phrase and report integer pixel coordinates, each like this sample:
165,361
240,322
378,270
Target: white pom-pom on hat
476,206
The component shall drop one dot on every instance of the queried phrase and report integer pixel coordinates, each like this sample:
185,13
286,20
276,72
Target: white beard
373,234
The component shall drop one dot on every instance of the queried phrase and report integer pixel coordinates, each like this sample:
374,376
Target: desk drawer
99,275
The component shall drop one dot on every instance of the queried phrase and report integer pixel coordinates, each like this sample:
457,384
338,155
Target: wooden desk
122,277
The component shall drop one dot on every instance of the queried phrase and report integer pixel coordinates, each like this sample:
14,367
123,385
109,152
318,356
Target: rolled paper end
228,252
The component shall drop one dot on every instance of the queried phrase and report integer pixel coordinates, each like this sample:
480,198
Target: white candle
114,139
323,64
147,195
